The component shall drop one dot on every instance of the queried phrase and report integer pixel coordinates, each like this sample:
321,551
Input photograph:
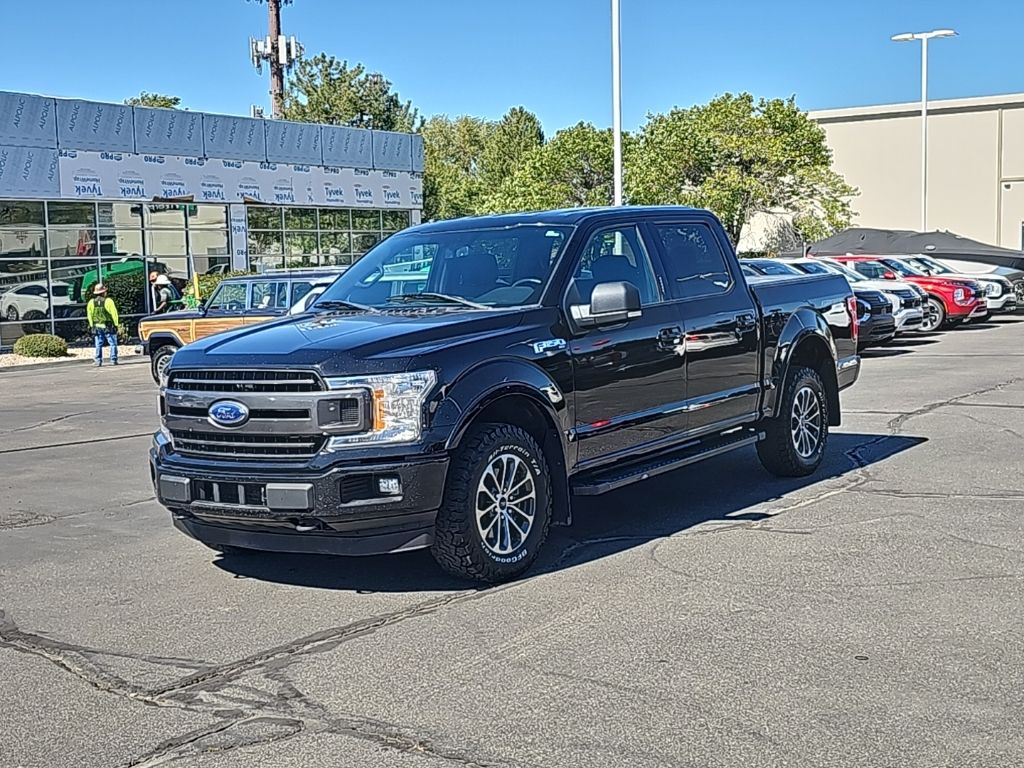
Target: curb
133,360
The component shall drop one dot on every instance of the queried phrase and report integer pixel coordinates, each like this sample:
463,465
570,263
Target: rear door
721,343
629,378
269,299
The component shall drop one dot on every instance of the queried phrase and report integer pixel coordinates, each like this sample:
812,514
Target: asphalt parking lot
871,616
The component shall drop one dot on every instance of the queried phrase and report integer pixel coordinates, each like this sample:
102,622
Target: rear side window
272,295
694,260
299,291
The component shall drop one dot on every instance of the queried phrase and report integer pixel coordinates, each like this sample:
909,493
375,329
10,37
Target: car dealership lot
713,617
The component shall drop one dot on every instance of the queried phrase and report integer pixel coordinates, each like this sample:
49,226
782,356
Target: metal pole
276,67
924,134
616,103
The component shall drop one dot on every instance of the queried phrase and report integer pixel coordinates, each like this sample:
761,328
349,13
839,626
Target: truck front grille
268,447
242,381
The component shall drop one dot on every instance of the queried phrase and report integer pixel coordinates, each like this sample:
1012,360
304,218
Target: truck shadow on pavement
731,489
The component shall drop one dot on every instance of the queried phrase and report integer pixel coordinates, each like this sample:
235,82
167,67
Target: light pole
616,104
924,37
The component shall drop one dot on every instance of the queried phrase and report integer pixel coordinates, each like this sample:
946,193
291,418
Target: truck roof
562,216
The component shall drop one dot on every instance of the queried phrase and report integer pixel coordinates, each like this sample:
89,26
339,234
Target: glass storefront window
264,217
335,218
366,220
30,243
395,220
265,242
119,215
126,279
364,241
165,216
336,260
335,242
66,242
208,242
262,263
208,217
300,242
74,331
21,213
167,242
25,290
120,242
71,214
300,218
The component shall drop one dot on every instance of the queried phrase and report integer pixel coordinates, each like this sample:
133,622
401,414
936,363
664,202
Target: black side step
610,479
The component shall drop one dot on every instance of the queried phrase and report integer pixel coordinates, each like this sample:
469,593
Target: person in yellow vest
102,316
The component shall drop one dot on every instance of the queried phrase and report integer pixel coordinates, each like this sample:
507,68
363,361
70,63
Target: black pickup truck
462,382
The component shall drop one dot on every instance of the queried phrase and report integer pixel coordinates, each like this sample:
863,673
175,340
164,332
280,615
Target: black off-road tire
778,451
159,358
458,546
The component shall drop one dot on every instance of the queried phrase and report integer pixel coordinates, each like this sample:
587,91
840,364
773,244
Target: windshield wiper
435,298
333,304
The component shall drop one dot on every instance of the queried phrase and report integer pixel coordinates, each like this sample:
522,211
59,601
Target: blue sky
482,56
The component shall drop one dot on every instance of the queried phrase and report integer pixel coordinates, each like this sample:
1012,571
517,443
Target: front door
721,322
629,378
269,300
223,311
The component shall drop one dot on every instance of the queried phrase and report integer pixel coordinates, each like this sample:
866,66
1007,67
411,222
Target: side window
299,291
694,260
870,269
272,295
616,255
228,297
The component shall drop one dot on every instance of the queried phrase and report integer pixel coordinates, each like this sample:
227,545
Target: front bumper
1005,303
339,511
847,371
909,319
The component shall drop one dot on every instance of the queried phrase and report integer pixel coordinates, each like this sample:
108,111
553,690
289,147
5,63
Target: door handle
668,338
746,321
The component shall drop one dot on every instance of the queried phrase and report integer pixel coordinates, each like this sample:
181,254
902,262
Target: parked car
32,301
950,301
972,268
1000,295
907,299
875,319
236,301
546,356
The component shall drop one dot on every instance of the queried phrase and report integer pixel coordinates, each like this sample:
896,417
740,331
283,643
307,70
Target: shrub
41,345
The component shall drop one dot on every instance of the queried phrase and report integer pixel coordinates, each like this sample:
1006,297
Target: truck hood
347,343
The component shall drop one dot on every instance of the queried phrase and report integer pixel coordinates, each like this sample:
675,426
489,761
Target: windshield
901,268
499,267
851,275
931,266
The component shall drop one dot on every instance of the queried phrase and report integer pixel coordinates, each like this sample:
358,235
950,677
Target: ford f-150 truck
546,356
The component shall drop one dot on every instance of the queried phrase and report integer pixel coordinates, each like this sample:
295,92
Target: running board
610,480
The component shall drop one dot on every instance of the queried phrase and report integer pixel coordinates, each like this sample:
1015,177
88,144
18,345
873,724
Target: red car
951,300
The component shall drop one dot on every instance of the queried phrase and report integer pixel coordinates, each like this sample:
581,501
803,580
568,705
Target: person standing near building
166,294
101,313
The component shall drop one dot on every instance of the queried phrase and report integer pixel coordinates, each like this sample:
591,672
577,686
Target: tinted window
616,255
872,269
812,269
270,295
228,297
901,268
694,260
299,290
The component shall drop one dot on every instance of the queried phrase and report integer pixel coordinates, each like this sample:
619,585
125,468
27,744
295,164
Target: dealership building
975,165
90,191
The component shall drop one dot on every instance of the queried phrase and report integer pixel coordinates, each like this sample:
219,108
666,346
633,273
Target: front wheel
497,505
159,361
795,440
934,315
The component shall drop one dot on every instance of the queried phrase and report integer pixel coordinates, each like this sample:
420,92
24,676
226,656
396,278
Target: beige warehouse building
975,165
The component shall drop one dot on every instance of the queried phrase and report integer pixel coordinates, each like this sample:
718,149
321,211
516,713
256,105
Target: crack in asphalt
896,425
72,443
54,420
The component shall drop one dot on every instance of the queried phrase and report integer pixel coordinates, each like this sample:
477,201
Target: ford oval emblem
228,413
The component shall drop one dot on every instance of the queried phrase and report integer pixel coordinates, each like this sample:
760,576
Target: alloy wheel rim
161,364
506,504
806,423
931,318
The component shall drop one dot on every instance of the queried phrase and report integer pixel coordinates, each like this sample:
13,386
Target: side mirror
610,304
889,275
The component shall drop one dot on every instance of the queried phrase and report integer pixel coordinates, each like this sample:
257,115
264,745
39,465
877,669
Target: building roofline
907,109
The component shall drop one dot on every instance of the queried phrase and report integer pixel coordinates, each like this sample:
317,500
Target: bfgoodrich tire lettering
795,440
497,505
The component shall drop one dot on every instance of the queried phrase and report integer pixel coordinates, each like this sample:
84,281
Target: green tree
453,149
325,90
573,169
146,99
737,156
512,138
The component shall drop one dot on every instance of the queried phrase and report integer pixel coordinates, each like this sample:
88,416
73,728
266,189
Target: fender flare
159,339
805,326
486,384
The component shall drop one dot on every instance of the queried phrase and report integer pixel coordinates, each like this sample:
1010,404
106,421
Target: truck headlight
396,407
993,289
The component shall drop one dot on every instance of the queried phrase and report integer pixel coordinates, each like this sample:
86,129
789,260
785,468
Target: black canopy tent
862,241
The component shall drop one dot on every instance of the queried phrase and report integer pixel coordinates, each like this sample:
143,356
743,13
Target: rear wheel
934,315
795,440
497,505
159,360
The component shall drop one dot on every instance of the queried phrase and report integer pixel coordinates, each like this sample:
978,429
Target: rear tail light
851,308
